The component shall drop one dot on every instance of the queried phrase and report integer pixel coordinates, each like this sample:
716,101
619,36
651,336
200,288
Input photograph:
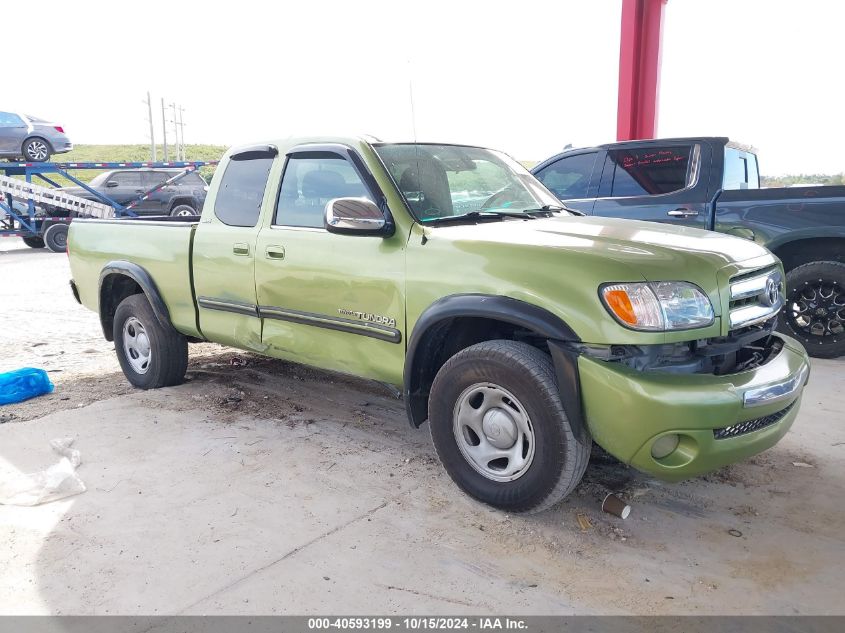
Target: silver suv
30,138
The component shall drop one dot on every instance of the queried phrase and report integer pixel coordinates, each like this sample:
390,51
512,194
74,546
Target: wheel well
114,289
819,249
177,201
446,338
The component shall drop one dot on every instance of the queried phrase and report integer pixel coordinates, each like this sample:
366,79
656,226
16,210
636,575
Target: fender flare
143,279
499,308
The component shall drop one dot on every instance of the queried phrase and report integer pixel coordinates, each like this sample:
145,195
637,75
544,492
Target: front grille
752,300
749,426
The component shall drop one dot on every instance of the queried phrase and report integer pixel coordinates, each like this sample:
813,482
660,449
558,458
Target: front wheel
33,242
499,428
150,354
815,308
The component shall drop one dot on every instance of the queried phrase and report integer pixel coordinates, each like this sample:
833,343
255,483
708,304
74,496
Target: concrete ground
273,488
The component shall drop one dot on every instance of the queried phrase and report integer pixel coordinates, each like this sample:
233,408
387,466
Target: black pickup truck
712,183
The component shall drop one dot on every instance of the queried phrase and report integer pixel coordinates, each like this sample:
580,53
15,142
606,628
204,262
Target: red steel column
639,68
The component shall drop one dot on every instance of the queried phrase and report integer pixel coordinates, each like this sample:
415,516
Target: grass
125,153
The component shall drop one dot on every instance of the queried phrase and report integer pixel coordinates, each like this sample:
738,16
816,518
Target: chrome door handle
240,249
682,213
274,252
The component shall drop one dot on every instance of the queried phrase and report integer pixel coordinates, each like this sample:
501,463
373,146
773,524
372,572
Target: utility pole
164,129
175,130
182,132
152,129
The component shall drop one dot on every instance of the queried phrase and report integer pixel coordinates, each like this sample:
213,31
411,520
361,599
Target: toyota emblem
772,292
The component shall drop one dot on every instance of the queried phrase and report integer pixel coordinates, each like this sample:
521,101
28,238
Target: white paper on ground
56,482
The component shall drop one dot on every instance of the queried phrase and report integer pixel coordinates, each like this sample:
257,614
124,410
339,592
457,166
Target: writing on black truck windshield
440,182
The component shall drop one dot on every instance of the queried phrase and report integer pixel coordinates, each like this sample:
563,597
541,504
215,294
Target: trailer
40,214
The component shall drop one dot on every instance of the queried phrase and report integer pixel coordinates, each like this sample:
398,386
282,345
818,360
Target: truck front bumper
717,420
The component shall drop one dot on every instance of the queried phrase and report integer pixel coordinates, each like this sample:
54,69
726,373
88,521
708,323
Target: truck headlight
658,306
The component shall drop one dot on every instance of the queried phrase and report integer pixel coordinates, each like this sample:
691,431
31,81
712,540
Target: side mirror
355,216
111,183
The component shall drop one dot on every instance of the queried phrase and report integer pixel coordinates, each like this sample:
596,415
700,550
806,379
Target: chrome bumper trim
776,392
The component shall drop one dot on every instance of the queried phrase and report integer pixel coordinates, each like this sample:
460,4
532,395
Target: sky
524,77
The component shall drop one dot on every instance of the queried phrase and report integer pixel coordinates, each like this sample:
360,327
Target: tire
136,329
33,242
36,150
523,377
55,238
815,308
183,209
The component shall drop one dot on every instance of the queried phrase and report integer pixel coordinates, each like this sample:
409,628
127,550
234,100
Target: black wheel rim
816,311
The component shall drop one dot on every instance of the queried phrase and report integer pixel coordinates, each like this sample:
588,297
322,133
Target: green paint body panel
557,264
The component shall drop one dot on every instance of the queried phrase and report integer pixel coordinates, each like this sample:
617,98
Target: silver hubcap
185,212
37,150
493,432
136,345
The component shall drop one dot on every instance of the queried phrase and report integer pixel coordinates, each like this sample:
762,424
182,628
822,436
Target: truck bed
160,245
781,214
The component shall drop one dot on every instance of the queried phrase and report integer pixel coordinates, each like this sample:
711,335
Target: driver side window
309,181
569,178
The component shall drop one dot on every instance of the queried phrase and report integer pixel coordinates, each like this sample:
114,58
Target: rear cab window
155,178
241,190
741,170
649,171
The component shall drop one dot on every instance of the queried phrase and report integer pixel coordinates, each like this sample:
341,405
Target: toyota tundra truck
522,332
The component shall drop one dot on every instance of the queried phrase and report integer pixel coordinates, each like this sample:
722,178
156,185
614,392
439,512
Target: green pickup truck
520,330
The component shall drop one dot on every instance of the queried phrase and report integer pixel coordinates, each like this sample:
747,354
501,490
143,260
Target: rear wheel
815,308
33,242
150,354
55,237
36,150
183,210
499,428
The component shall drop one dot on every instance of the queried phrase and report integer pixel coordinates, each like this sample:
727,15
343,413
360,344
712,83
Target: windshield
443,181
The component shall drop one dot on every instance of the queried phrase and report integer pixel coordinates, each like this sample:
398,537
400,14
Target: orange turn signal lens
620,304
634,305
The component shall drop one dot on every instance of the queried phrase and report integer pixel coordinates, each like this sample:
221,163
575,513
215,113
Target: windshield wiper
481,215
553,208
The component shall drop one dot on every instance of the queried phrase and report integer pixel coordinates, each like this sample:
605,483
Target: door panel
154,204
329,300
658,184
224,252
333,301
224,282
128,187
